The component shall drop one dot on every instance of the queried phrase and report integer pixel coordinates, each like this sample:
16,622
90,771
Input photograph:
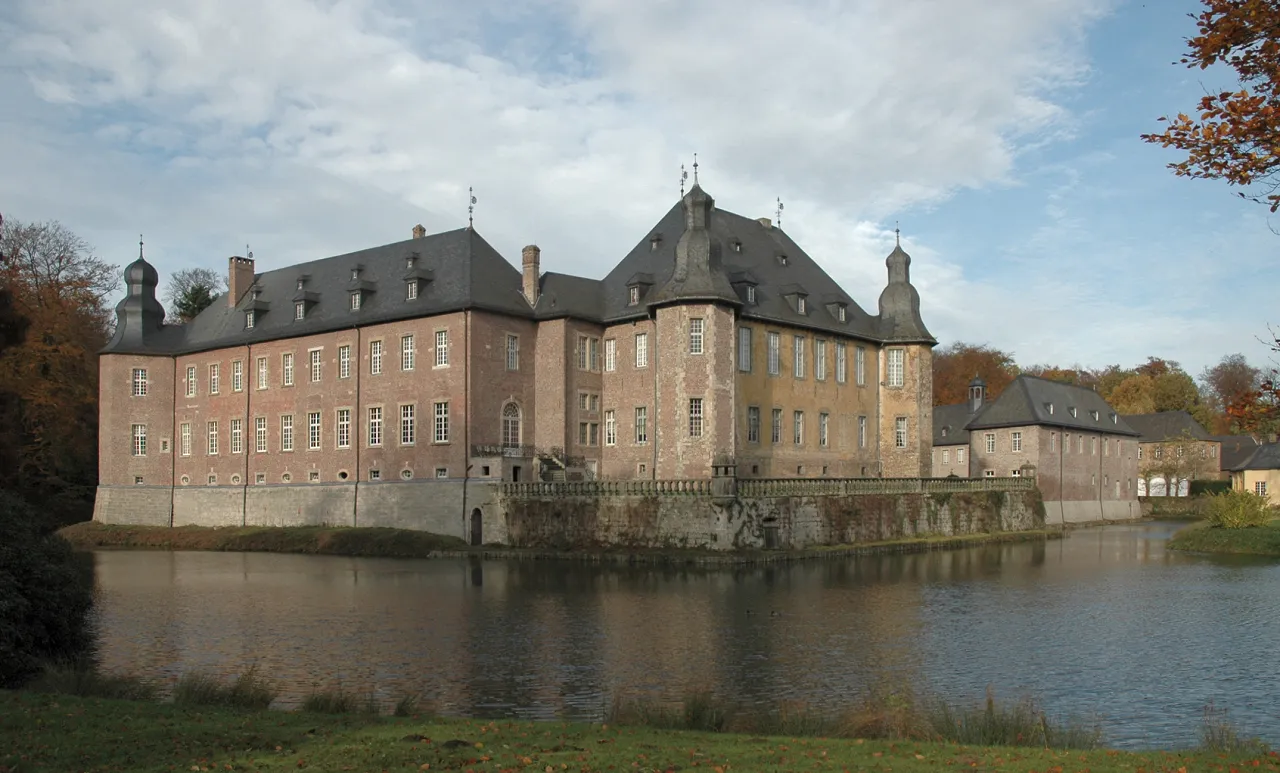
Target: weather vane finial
139,246
897,234
471,207
695,168
777,213
248,253
683,176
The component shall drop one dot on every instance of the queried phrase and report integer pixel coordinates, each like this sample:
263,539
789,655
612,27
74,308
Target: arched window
510,425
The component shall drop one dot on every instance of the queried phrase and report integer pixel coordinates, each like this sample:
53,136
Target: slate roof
1027,401
722,255
1264,457
1235,449
949,425
1169,425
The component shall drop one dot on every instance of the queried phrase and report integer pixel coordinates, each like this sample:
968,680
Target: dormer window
300,308
1094,414
1115,419
1049,407
412,289
654,242
633,296
355,301
751,293
299,284
782,260
736,246
841,313
944,431
409,261
801,307
248,319
355,274
256,293
1072,411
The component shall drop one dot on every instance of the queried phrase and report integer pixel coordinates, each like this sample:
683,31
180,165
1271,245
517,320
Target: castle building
327,386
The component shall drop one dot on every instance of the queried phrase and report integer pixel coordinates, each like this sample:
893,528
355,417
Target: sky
1001,136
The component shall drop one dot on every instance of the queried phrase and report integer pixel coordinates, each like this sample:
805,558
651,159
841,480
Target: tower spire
683,176
139,246
897,234
471,208
695,168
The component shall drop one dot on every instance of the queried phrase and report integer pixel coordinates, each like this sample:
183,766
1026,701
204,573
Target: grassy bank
402,543
320,540
40,732
1255,541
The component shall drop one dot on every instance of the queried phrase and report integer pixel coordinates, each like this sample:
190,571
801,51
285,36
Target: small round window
342,475
286,477
186,480
235,478
406,474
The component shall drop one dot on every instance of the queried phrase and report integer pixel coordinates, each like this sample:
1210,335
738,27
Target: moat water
1104,623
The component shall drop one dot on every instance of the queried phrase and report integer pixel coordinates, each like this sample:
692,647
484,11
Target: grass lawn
44,732
1256,540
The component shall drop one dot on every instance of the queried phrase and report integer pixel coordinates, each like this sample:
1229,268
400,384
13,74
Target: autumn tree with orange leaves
1233,133
955,365
49,376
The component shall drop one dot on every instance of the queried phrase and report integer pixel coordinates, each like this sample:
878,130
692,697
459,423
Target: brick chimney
419,231
239,278
530,261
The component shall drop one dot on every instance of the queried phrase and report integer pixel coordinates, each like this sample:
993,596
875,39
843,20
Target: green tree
1134,395
191,291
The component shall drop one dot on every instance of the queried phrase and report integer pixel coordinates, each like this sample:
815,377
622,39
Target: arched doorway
477,528
510,425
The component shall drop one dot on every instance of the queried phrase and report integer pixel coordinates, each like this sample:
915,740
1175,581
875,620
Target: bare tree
191,290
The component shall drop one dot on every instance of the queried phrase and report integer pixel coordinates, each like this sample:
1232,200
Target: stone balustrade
763,487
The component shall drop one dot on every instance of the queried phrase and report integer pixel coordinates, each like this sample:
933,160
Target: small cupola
977,394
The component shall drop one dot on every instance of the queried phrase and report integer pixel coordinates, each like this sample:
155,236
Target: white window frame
610,355
442,349
408,352
264,373
798,344
860,365
842,362
373,426
820,359
260,434
237,436
895,367
774,351
744,349
237,375
824,420
315,361
775,426
286,432
248,319
299,310
139,379
344,361
697,335
215,378
862,432
184,438
343,423
1260,488
900,428
513,352
959,456
642,424
946,456
412,292
315,431
696,417
375,358
642,350
990,438
1015,442
138,435
356,301
286,366
633,295
797,427
610,428
408,424
440,412
753,424
212,437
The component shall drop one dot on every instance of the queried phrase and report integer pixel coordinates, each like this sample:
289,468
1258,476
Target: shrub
1217,734
248,691
339,701
1237,510
46,593
87,682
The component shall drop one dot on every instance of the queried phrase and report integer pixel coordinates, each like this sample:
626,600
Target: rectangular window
513,352
139,439
820,360
1106,448
610,355
286,432
842,369
413,289
260,434
374,431
695,417
213,438
442,472
744,349
797,427
900,432
774,341
237,376
249,319
823,421
775,426
375,358
1015,442
1093,446
896,375
860,365
237,436
407,352
642,350
946,456
1066,444
798,344
214,380
990,439
1053,441
862,432
442,422
355,301
299,309
139,382
184,439
584,357
1260,488
988,473
593,348
696,327
286,364
316,364
610,429
262,373
753,424
408,427
344,361
344,428
959,456
642,425
442,348
313,430
595,434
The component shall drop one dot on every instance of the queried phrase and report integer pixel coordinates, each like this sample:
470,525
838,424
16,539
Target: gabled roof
1036,401
1264,457
1235,449
563,295
749,251
949,425
1169,425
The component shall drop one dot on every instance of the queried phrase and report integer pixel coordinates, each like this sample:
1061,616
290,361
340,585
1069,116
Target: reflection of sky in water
1102,623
